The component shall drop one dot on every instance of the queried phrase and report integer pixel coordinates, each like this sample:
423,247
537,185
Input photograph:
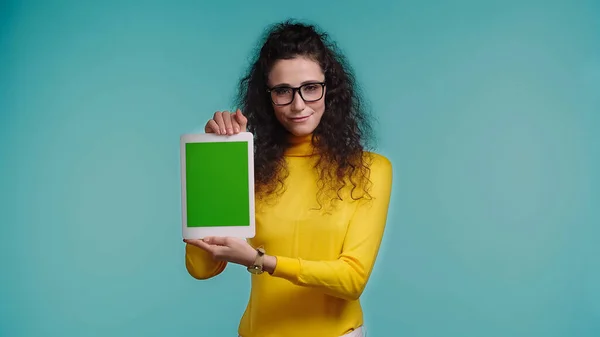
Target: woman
321,198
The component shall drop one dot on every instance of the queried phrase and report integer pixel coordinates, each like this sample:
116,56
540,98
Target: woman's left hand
226,249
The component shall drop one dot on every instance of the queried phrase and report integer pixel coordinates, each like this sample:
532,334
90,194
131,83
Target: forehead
295,71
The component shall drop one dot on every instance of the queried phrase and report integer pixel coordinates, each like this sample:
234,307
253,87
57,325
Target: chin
300,131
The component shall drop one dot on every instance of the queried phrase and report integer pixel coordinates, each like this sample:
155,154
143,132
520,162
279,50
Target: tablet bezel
242,231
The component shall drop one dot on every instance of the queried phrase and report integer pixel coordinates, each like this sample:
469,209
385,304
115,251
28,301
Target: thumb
242,120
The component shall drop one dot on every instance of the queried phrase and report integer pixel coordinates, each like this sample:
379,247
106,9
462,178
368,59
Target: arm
200,263
347,276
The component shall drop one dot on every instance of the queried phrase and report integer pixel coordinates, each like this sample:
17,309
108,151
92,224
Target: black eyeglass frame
297,89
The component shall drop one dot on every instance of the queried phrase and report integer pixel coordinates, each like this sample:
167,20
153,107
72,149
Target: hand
227,249
226,123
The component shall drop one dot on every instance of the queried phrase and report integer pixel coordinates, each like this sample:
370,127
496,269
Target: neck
300,146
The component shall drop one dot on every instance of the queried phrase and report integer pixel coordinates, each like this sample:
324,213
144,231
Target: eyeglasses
309,92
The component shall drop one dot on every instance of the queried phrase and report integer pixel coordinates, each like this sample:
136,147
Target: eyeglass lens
309,92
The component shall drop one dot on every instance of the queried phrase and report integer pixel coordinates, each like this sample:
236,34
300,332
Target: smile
299,119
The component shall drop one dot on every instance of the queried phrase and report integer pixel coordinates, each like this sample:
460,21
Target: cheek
280,112
319,107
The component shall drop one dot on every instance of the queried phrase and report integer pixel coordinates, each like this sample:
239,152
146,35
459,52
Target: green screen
217,190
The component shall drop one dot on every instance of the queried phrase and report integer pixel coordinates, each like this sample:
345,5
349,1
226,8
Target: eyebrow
303,83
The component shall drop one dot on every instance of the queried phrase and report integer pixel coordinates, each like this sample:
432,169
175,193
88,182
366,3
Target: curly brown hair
344,132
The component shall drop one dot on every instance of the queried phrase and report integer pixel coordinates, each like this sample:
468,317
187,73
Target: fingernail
237,129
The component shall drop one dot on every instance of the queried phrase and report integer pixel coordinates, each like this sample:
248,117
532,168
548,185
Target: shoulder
380,167
378,162
379,176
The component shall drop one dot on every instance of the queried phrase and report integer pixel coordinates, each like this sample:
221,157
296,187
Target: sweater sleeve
347,276
200,263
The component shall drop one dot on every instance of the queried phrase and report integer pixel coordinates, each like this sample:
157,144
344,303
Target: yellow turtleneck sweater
324,259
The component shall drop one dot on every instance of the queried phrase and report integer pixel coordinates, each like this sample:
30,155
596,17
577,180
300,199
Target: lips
299,119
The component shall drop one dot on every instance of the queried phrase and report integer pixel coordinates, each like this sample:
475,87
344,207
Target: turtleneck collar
300,146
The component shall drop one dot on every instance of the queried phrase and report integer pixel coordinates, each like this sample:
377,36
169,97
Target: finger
217,252
227,120
200,244
241,119
235,124
216,240
219,119
211,127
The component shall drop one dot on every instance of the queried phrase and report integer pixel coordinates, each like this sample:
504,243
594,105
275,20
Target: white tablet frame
243,232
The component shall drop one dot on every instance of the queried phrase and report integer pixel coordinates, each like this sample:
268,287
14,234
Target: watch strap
257,266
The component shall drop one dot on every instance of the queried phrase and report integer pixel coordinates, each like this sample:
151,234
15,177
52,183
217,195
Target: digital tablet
217,185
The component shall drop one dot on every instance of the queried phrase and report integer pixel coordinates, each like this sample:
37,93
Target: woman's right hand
227,123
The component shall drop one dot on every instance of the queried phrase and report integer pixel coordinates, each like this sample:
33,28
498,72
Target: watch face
255,270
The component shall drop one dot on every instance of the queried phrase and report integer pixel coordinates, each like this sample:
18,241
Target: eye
311,87
282,91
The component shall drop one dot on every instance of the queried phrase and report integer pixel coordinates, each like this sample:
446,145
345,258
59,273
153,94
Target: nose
298,104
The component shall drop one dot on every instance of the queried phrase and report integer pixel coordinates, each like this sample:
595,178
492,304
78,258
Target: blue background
488,110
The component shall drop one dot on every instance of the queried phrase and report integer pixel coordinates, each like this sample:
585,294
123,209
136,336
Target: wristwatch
257,266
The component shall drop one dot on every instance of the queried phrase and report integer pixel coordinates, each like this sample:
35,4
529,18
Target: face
299,117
